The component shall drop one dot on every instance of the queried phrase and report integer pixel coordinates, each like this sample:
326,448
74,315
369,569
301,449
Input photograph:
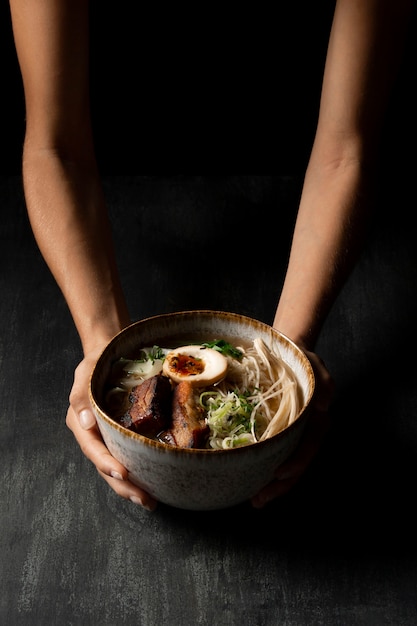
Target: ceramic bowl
198,479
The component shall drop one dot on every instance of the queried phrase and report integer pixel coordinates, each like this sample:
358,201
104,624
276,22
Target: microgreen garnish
224,347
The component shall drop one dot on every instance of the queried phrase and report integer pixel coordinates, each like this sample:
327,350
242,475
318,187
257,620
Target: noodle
273,394
257,399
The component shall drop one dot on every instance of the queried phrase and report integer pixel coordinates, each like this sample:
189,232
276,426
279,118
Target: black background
171,87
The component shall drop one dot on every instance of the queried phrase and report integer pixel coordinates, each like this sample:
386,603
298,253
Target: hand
290,472
81,421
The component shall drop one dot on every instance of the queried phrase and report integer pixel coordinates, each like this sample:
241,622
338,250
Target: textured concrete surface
339,550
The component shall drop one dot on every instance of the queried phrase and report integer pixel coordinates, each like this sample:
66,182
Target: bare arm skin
364,52
65,202
62,186
69,218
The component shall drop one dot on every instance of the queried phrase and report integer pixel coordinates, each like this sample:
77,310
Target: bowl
191,478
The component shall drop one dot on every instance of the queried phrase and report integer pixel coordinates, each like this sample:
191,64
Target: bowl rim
163,447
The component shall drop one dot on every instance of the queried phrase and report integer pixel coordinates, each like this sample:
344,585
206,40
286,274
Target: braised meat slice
188,428
150,407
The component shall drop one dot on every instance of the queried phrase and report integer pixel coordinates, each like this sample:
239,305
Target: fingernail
87,419
146,506
117,475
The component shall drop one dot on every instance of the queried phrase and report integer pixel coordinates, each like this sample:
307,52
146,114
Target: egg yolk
199,365
186,365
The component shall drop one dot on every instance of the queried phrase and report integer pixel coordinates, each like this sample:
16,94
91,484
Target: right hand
82,423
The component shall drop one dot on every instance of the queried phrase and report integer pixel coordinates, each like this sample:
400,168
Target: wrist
299,331
96,333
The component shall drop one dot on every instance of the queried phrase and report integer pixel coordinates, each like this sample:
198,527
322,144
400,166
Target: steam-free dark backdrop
171,86
340,550
229,88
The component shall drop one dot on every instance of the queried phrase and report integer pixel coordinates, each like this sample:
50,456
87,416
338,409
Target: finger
86,418
113,472
315,430
79,399
93,448
325,386
129,491
289,473
275,489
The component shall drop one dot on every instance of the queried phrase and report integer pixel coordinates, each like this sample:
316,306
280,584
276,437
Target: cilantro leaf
224,347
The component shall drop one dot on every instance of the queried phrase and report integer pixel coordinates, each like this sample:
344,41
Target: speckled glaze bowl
198,479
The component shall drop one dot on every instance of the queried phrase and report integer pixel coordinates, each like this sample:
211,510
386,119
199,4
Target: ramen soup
213,394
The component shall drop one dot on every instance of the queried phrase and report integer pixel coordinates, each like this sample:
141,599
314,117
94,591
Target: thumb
79,398
86,418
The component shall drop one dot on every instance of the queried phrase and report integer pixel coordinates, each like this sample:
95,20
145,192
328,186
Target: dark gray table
339,550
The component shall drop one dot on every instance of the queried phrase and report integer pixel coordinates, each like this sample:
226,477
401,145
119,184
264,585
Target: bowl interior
181,328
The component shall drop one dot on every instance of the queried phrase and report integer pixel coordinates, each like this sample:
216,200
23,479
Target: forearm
68,216
331,222
364,52
62,188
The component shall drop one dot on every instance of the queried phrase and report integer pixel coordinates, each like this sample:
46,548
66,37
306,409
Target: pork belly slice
188,428
150,407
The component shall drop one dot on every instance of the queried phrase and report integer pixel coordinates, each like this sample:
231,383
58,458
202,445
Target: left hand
289,473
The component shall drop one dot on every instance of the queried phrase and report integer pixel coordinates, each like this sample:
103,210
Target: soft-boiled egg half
199,365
